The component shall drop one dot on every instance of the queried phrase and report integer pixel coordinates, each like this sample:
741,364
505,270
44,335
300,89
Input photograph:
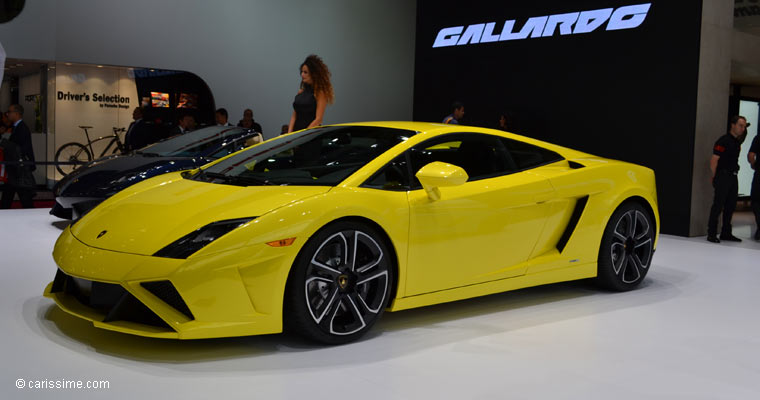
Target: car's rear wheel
627,248
340,283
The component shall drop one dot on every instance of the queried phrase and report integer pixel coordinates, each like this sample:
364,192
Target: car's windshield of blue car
195,143
315,157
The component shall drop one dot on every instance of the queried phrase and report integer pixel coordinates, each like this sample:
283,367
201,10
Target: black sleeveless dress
305,105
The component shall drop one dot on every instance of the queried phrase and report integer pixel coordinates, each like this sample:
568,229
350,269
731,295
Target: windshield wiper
237,179
148,154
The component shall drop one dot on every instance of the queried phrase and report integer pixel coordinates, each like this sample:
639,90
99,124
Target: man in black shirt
754,151
724,165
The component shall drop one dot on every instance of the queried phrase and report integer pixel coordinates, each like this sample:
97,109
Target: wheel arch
648,207
388,242
644,203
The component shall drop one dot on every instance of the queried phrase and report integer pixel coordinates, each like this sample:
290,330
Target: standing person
724,165
754,151
5,125
284,129
221,117
249,122
138,133
20,179
457,112
502,122
315,93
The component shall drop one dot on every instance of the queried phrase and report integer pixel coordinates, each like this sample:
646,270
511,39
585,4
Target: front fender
303,218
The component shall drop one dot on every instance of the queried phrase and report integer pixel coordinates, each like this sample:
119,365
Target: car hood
146,218
103,177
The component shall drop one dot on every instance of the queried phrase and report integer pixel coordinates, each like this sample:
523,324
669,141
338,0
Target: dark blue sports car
94,182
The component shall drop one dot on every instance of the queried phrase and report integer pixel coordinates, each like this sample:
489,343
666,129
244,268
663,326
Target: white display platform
692,331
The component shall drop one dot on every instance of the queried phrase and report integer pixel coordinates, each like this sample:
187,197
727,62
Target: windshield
315,157
194,143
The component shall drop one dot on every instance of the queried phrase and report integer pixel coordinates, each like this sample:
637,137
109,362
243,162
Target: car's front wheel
340,283
627,248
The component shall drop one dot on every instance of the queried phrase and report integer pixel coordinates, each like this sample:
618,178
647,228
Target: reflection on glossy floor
692,331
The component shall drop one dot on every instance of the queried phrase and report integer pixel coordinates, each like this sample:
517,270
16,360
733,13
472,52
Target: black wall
174,83
624,94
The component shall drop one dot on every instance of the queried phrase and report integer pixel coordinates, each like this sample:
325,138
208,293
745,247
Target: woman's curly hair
320,76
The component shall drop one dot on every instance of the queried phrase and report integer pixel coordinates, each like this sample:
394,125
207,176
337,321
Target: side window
481,156
393,176
526,156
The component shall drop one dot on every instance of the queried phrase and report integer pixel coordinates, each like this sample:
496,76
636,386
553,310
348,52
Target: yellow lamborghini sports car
322,230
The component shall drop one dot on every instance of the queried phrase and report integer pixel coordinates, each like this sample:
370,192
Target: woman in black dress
315,93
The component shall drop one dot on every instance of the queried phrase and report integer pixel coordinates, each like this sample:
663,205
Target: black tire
334,294
71,152
627,248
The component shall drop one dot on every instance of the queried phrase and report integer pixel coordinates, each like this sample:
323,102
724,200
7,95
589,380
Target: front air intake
108,299
165,291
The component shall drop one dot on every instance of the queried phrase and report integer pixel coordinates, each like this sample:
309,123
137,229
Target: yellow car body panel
481,237
135,232
479,216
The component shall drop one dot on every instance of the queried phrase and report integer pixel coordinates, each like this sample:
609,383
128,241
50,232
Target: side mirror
438,174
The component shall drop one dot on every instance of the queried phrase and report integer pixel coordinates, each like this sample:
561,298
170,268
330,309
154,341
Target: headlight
189,244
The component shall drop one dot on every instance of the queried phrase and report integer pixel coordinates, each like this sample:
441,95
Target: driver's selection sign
112,100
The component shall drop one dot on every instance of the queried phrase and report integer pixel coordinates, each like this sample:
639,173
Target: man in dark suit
221,117
21,138
138,134
185,123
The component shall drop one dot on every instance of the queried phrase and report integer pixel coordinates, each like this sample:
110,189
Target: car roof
406,125
429,129
212,134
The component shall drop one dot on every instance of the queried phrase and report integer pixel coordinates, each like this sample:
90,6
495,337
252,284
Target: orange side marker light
282,242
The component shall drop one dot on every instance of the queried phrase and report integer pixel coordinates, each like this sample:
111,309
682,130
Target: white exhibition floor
692,331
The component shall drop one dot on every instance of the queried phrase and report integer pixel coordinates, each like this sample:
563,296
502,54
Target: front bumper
233,293
111,307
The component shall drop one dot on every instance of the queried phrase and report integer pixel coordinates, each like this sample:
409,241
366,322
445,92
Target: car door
482,230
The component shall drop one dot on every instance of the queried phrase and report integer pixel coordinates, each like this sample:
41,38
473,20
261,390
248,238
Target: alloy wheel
347,282
631,248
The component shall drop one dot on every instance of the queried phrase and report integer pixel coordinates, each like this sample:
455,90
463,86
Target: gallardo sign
627,17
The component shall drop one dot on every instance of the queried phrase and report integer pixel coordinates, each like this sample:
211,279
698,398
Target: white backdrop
71,113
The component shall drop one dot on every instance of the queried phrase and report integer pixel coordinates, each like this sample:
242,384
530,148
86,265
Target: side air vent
575,165
165,291
580,205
